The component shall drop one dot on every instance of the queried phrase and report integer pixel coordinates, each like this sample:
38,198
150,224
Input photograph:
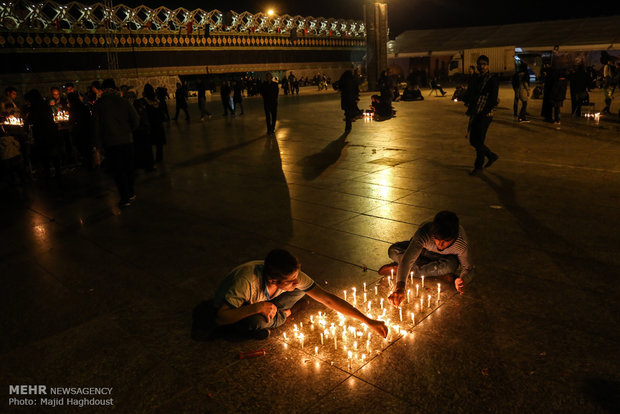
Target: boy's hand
379,327
267,309
459,285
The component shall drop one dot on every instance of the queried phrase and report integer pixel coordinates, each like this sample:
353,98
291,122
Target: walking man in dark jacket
269,91
114,120
349,93
481,100
181,100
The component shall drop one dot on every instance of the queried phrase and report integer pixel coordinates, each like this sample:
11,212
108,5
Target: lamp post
375,19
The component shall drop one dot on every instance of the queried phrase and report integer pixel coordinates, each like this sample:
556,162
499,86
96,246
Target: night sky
413,14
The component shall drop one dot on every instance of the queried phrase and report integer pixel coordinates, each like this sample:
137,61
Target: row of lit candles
390,282
346,332
13,120
61,116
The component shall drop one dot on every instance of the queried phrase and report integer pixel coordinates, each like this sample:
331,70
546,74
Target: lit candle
301,339
321,339
400,313
408,295
364,286
355,345
311,318
285,338
365,297
369,305
295,328
429,301
392,271
301,326
363,357
422,281
350,355
381,303
316,350
354,295
368,345
417,290
438,290
376,290
421,304
412,278
369,336
345,294
412,318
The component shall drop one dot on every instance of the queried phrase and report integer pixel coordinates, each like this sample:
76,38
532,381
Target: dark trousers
477,135
523,113
202,107
515,104
184,109
120,159
159,152
271,114
227,106
547,109
557,106
204,327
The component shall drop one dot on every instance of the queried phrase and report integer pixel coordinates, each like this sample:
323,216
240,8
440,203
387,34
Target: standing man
269,91
481,99
202,100
181,101
349,93
114,120
522,92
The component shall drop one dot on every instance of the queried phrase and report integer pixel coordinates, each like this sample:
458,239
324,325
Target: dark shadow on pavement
542,235
604,392
314,165
215,154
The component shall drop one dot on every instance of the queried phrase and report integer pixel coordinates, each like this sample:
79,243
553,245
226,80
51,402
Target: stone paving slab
97,296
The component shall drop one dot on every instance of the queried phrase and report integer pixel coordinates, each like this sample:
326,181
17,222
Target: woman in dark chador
40,122
150,131
81,128
349,93
156,121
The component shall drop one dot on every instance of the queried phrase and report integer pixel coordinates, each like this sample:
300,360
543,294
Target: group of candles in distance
13,120
332,336
595,115
60,116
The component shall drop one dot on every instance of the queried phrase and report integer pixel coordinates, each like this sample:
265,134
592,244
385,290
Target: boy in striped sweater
436,249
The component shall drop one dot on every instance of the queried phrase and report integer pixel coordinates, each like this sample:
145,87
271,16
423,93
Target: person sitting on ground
258,296
459,93
435,250
436,86
412,93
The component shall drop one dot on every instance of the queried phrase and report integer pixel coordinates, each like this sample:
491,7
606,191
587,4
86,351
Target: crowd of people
46,136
